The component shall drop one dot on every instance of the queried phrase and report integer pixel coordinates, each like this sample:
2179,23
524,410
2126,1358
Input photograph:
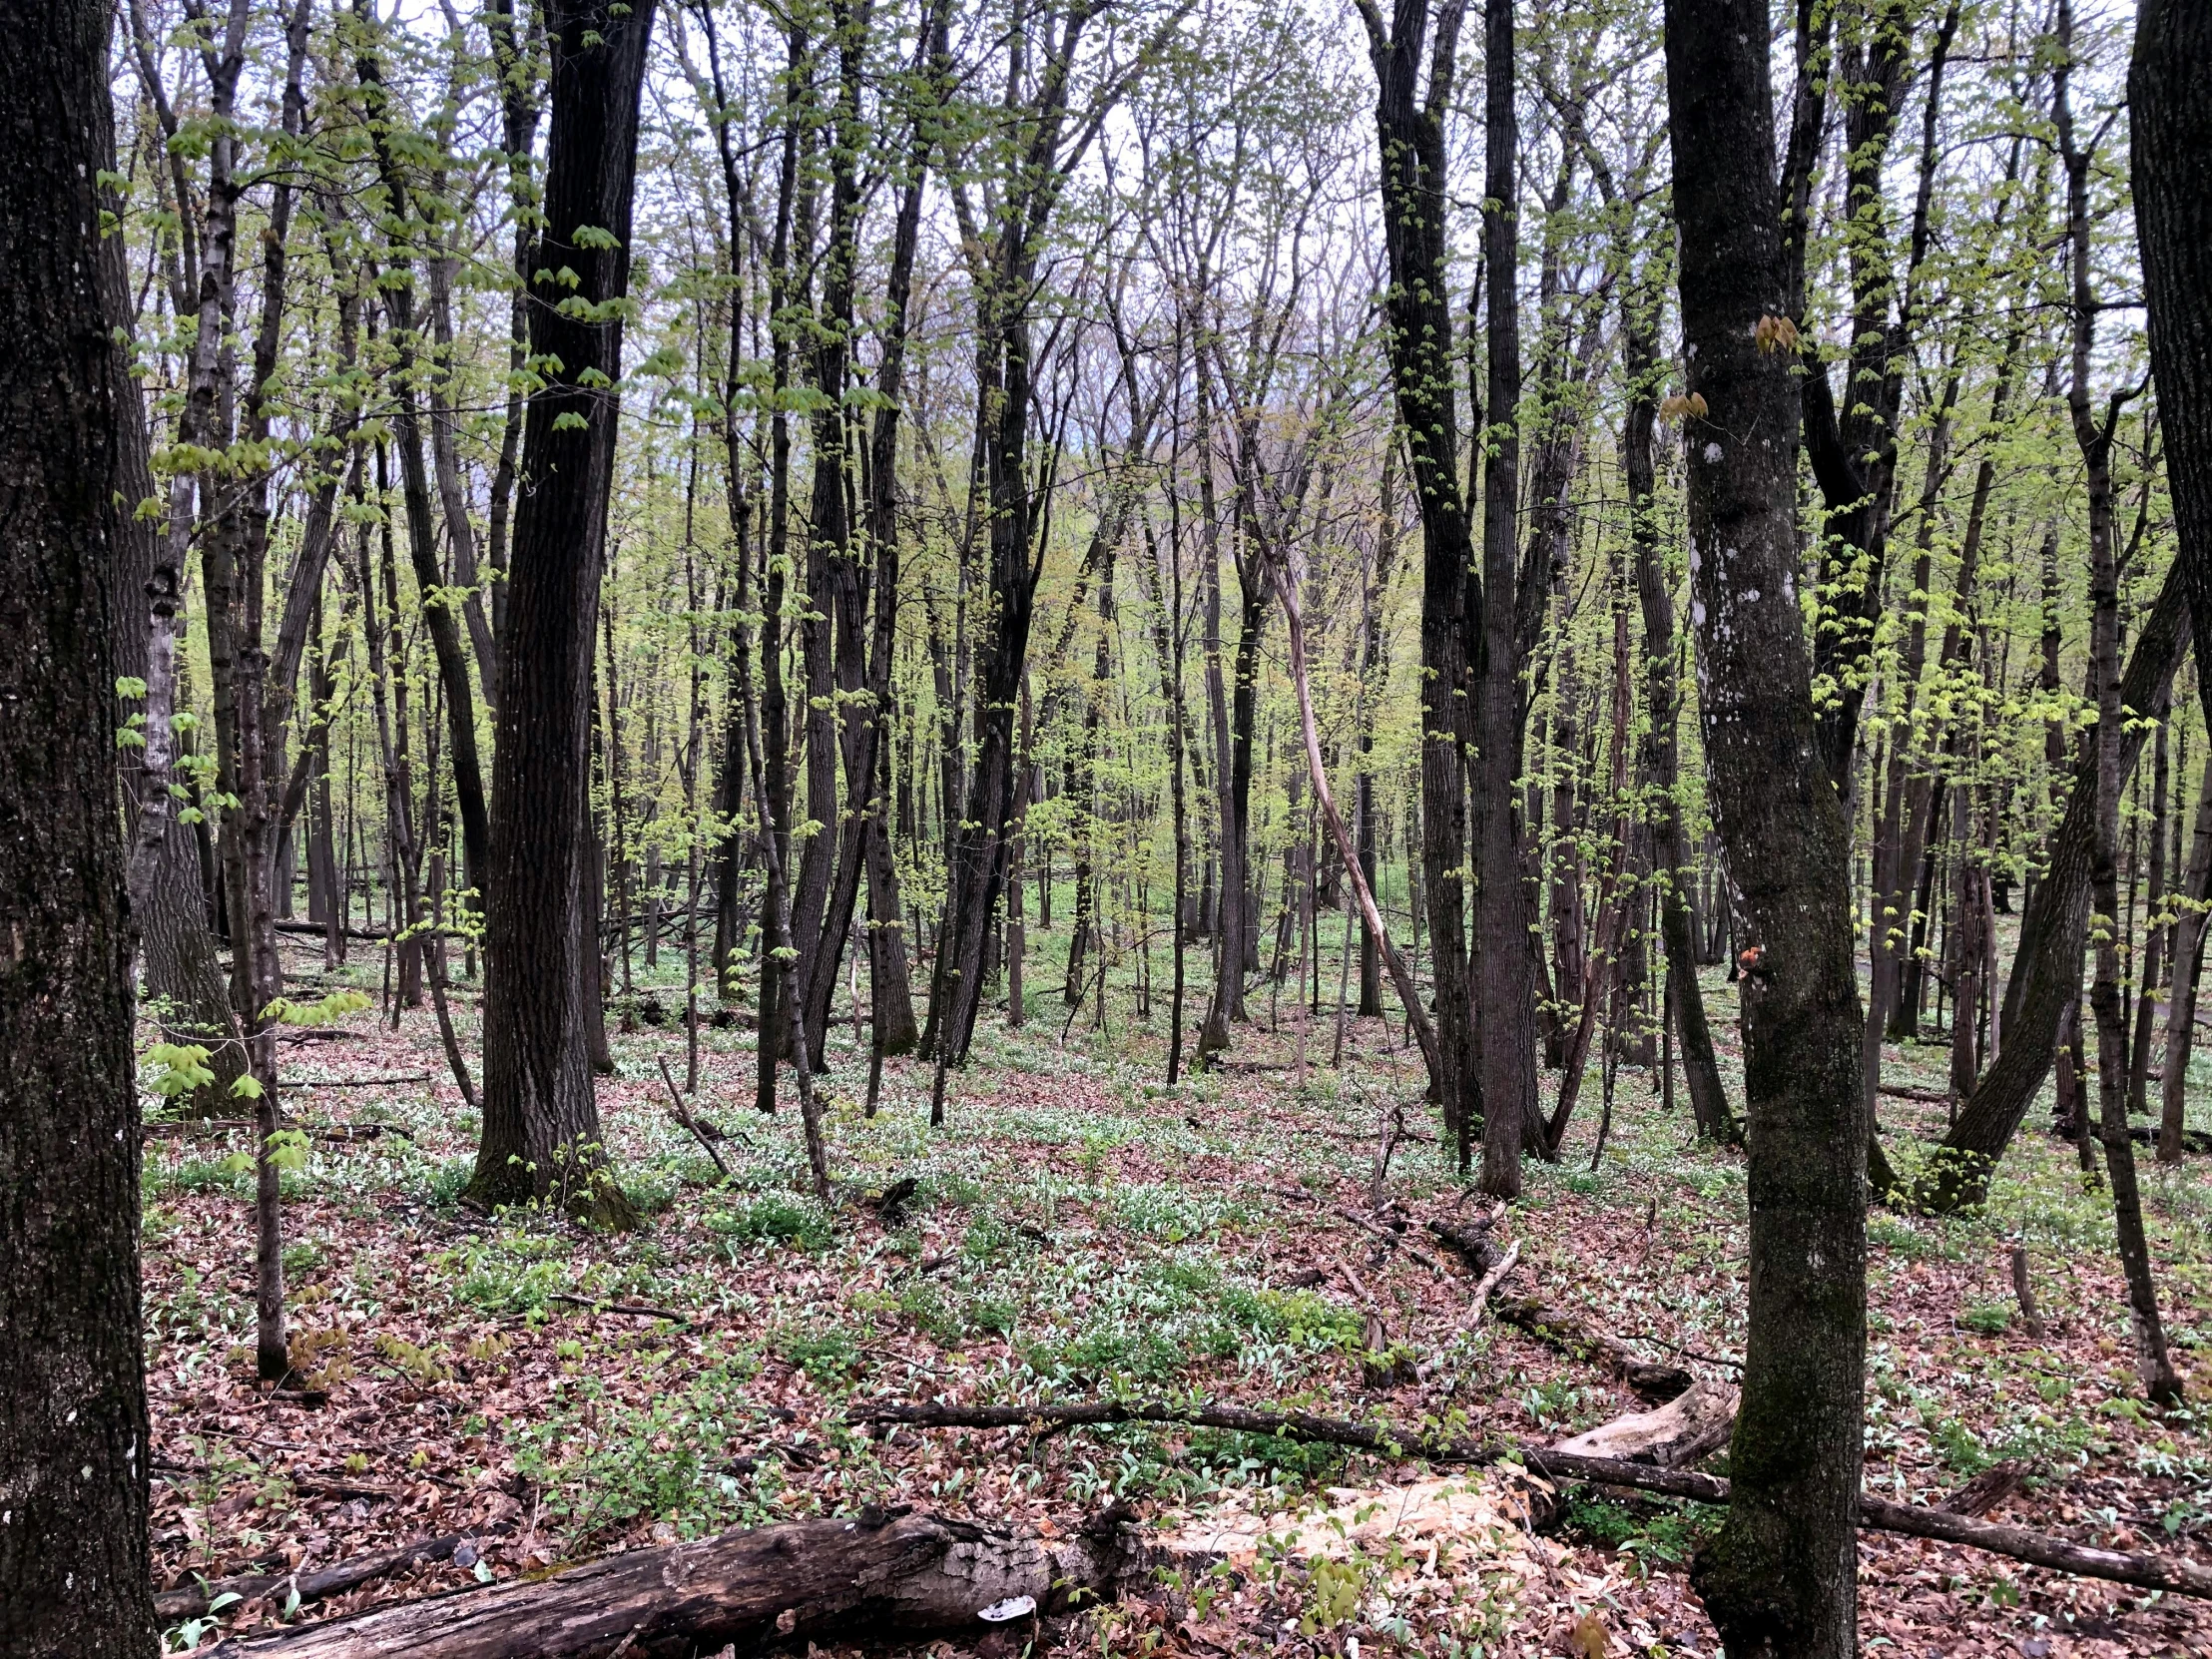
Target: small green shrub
777,1218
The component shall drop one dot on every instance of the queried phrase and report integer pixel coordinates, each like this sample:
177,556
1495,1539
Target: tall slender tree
1781,1579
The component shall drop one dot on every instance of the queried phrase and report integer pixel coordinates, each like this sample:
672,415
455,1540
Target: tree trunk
1507,983
2094,440
74,1431
2170,134
2188,971
1701,1068
1780,1577
541,1136
1410,129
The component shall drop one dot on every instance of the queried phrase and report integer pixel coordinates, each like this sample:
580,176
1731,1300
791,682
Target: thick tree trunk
1780,1577
2188,972
74,1432
2170,134
541,1136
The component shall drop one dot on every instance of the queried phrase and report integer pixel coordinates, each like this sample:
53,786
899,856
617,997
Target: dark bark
437,614
2170,135
1018,492
74,1431
1410,126
2188,971
1501,627
541,1136
1780,1577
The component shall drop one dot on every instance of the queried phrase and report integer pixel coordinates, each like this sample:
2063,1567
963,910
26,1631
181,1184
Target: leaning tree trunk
1781,1579
2188,969
74,1432
541,1136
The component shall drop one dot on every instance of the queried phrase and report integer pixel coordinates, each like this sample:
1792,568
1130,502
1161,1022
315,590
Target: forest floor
1079,1230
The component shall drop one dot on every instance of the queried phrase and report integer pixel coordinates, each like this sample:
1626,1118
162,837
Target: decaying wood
2174,1574
1491,1282
886,1574
1570,1333
1693,1425
1988,1489
190,1600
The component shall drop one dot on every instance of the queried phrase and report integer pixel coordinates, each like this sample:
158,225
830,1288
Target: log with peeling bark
882,1574
1570,1333
1695,1423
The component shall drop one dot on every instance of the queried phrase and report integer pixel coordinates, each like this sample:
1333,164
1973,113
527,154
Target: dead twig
683,1117
629,1310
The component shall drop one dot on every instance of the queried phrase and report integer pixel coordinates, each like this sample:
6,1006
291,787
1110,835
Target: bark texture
74,1573
1411,130
2170,127
1780,1577
913,1575
541,1119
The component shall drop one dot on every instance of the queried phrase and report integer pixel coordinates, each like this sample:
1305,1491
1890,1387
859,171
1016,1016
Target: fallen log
1924,1097
1650,1381
2174,1574
190,1600
887,1574
373,1082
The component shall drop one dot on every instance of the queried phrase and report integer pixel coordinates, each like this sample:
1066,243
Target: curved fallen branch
2174,1574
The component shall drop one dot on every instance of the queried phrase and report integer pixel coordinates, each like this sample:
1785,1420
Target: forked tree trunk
541,1136
1781,1579
74,1432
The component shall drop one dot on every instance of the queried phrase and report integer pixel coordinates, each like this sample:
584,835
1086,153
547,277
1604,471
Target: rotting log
885,1574
2175,1573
